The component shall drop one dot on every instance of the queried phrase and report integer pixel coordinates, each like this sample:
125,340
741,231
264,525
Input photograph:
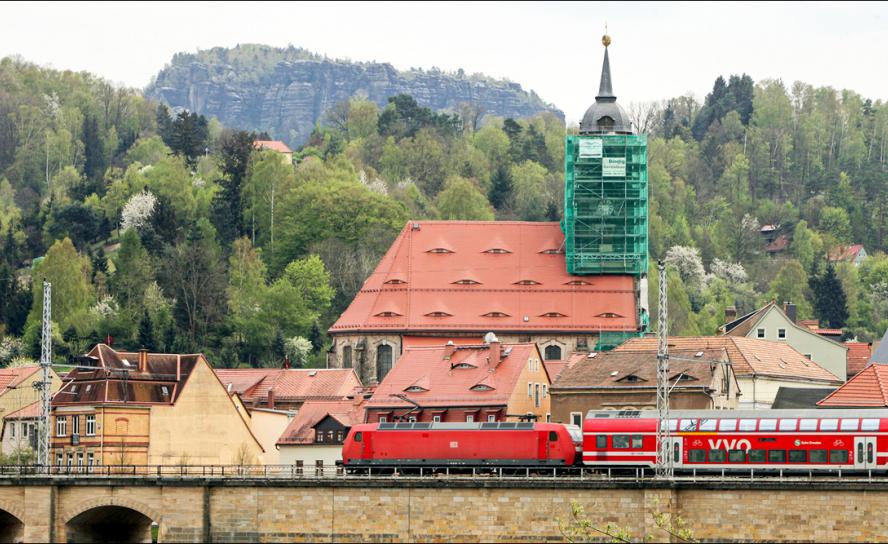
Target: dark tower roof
605,116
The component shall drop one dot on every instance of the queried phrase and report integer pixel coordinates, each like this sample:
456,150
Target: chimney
730,314
271,399
286,365
449,350
143,360
495,351
790,310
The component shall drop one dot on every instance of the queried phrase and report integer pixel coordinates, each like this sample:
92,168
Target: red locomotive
461,444
741,440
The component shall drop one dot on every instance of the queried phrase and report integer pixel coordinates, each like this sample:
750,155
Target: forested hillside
173,233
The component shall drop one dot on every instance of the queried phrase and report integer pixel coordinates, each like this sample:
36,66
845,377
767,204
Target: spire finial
606,39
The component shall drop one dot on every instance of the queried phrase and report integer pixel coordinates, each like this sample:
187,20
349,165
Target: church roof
605,116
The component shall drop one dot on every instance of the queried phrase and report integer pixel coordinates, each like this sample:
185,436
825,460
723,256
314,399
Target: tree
94,163
298,349
835,222
500,188
791,285
686,260
268,178
529,194
462,200
134,271
316,337
137,211
830,303
807,246
146,332
189,137
227,210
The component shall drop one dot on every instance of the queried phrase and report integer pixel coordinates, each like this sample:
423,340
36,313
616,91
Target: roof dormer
438,314
527,282
496,251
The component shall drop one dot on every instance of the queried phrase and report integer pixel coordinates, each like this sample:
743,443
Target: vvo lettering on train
734,444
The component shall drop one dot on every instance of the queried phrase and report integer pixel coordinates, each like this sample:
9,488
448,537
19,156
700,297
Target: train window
601,442
553,436
807,424
728,425
788,424
756,456
849,424
838,457
737,456
869,452
748,424
636,441
708,424
817,456
688,425
359,436
717,456
797,456
829,424
776,456
696,456
767,424
673,425
675,453
869,425
621,441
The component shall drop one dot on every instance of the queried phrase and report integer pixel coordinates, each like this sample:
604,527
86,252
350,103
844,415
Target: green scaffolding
610,339
606,204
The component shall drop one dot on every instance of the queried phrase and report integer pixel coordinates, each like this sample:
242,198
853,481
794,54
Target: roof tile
868,388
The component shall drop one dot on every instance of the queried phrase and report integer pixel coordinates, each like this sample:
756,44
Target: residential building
462,279
777,324
148,408
17,387
627,380
318,431
20,429
485,382
556,367
287,388
858,356
778,245
761,366
795,398
278,147
867,389
854,254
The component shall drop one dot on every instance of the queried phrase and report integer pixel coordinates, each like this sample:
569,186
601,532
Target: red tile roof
614,369
443,276
867,389
295,384
844,253
446,385
858,356
428,341
748,356
301,431
273,145
555,367
10,377
778,245
31,411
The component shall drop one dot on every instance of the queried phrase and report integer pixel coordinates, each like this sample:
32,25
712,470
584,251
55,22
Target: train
720,440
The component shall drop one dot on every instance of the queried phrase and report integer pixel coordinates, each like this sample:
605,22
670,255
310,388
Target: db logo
798,442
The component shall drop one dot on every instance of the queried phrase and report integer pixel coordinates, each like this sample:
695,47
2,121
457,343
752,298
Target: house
145,408
627,380
287,388
456,279
769,232
484,382
18,387
867,389
777,324
813,325
278,147
778,245
761,366
555,367
318,431
858,356
795,398
854,254
20,429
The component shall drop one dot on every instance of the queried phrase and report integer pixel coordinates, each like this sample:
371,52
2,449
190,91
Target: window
491,418
637,441
530,390
728,425
621,441
319,437
26,427
688,425
545,390
536,395
798,456
748,424
411,419
347,357
383,361
708,424
91,425
383,419
553,436
470,419
717,456
736,456
548,418
339,436
776,456
523,339
576,418
781,334
760,333
807,424
807,356
90,459
829,424
601,442
696,456
436,419
359,436
61,426
70,459
675,453
788,424
865,425
849,424
80,459
59,459
75,424
553,353
756,456
582,342
12,429
768,425
817,456
838,457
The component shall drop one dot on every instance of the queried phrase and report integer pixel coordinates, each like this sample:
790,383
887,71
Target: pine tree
278,347
316,337
93,150
146,332
500,188
830,302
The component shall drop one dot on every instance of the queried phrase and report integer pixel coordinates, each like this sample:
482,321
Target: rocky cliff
286,91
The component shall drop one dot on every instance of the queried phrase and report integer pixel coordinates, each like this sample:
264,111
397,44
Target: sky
658,50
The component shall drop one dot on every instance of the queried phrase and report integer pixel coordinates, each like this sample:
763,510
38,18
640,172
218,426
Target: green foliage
830,302
462,200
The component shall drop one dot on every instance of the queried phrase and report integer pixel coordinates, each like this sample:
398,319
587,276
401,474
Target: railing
319,470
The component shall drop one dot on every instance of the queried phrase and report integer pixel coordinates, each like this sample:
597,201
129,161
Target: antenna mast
664,459
46,383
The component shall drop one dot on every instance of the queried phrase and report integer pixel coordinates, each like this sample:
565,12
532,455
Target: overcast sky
658,51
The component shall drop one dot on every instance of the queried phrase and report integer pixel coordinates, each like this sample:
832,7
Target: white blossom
688,263
730,272
298,350
104,308
138,210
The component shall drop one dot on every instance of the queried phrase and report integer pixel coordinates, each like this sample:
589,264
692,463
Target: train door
865,452
676,451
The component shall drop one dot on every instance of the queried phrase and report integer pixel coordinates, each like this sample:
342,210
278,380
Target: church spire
605,116
605,89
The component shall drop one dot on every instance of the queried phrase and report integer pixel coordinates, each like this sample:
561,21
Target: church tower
606,195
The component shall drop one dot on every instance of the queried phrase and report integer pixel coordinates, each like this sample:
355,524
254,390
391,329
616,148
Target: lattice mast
664,459
45,384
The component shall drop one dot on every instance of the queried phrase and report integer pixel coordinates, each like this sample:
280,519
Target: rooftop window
439,250
552,251
388,314
438,314
495,314
467,282
395,281
527,282
553,314
609,315
577,282
415,389
481,387
497,251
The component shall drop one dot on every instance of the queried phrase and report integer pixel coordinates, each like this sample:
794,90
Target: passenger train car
741,440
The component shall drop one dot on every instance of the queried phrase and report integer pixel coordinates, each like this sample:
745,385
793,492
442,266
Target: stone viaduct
41,509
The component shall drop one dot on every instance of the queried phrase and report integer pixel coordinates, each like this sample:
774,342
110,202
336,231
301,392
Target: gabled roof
858,356
301,431
844,253
868,388
638,369
555,367
293,384
273,145
522,290
744,325
748,356
451,386
11,377
31,411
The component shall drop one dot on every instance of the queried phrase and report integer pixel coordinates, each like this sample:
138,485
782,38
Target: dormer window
681,376
467,282
631,378
578,282
438,314
464,366
608,315
553,314
395,281
440,250
415,389
164,390
527,282
552,251
387,314
497,251
496,314
481,387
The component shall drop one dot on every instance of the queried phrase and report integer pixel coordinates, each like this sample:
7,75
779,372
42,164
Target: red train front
460,444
